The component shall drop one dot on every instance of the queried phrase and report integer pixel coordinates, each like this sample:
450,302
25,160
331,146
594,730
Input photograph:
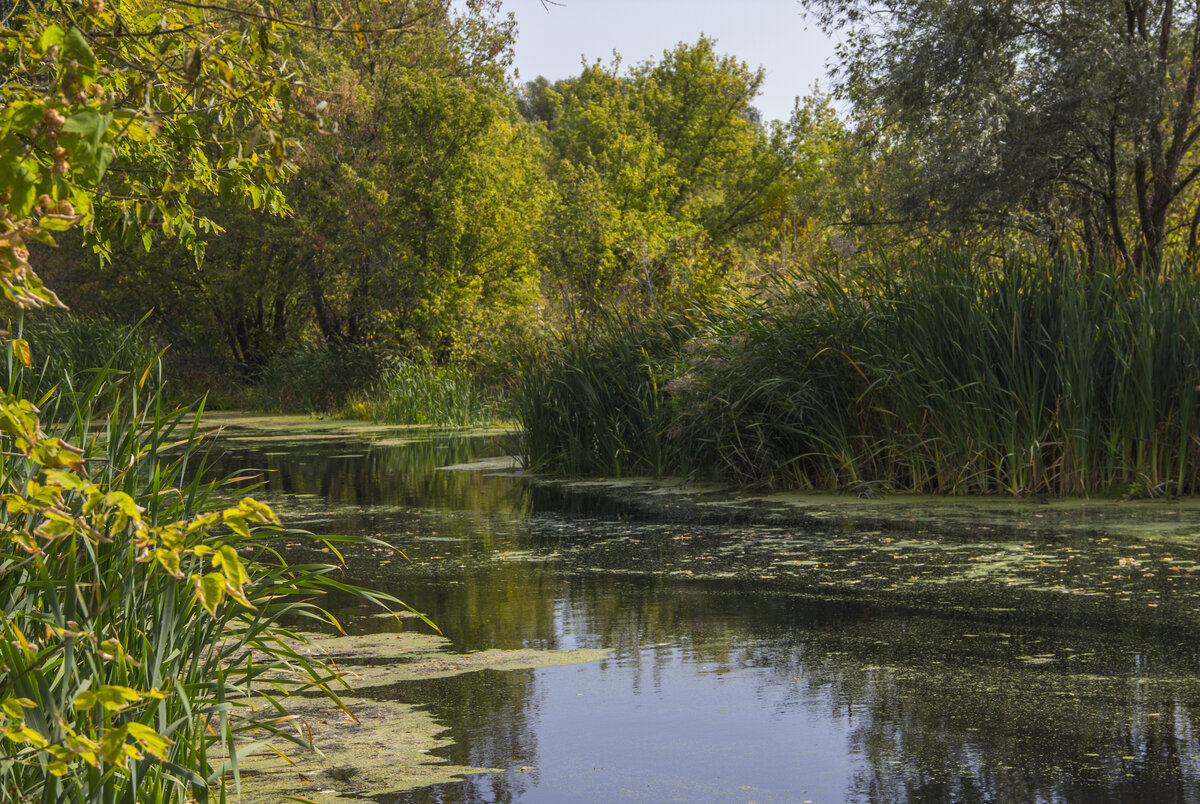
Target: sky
773,34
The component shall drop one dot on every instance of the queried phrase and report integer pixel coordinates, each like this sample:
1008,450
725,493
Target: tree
649,163
410,217
1076,120
422,212
117,629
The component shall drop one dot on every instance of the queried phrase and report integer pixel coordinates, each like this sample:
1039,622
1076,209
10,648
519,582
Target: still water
865,654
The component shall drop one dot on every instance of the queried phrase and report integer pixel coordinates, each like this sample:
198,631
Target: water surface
847,651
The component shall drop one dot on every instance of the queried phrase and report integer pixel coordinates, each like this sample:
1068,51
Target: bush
140,611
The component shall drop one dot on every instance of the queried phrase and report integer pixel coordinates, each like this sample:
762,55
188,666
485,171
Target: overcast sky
770,33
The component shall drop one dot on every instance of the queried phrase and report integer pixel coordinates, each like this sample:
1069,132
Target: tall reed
593,403
410,392
945,374
142,654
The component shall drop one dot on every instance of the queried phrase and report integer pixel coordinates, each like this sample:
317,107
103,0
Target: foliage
412,393
592,402
671,153
141,609
158,102
67,350
943,375
315,378
412,213
429,219
135,635
1074,121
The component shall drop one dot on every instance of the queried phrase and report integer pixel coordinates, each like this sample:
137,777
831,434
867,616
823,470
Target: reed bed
593,403
410,392
944,375
116,683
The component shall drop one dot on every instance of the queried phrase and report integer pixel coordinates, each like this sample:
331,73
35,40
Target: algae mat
267,428
382,746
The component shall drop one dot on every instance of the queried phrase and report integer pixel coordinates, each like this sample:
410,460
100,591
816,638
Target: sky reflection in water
764,662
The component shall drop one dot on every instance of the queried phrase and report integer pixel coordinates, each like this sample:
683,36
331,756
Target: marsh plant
141,607
415,392
594,401
944,374
67,350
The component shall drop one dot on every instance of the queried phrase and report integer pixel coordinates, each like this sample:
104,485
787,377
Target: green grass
593,403
93,611
416,393
942,375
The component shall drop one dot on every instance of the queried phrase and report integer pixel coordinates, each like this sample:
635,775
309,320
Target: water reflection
763,663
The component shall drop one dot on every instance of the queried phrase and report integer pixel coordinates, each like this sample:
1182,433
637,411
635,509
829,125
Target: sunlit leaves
141,110
111,697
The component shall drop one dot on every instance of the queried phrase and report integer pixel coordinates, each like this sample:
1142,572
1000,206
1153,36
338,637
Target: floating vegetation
377,745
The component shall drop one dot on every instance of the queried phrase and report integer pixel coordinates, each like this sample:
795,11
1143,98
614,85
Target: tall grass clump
944,374
421,393
592,402
142,654
66,349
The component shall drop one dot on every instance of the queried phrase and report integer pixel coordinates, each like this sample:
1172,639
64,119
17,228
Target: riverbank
946,374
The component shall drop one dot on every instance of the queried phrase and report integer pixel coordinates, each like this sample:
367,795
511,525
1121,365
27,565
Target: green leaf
124,503
104,157
112,746
225,188
53,35
210,590
27,116
22,183
111,697
55,224
83,134
75,45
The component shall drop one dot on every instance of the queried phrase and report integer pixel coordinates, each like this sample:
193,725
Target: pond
778,649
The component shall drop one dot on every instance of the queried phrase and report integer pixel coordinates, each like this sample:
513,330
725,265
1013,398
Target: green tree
411,216
1073,121
120,622
652,163
421,212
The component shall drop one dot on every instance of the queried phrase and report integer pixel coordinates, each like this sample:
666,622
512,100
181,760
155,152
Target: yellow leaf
210,590
21,350
169,559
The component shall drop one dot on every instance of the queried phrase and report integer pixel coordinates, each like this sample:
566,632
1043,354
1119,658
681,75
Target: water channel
821,649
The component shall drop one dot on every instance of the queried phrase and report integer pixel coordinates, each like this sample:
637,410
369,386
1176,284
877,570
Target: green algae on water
382,746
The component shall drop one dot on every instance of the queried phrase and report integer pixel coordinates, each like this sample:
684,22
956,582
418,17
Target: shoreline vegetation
945,375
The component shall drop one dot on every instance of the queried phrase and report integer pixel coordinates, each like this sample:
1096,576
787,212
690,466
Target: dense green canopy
1074,120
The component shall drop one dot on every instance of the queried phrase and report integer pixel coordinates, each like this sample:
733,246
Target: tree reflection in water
748,663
